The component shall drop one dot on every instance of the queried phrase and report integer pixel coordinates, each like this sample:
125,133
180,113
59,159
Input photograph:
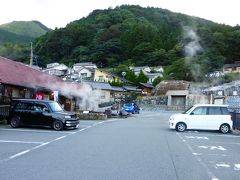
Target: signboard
39,96
55,95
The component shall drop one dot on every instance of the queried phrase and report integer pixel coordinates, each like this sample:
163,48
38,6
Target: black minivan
40,113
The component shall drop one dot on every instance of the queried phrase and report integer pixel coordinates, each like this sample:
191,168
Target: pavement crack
171,156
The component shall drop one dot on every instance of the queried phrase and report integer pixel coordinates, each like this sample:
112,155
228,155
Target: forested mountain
143,36
15,38
27,29
188,47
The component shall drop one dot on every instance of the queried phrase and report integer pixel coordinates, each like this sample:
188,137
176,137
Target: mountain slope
143,36
21,31
25,28
6,36
15,38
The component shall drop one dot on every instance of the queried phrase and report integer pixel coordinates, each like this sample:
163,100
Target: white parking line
221,135
209,172
41,131
46,143
21,142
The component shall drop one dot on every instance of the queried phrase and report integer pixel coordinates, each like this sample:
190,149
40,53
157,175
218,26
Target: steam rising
86,98
191,49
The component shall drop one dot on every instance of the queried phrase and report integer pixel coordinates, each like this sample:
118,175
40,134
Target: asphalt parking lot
138,147
19,141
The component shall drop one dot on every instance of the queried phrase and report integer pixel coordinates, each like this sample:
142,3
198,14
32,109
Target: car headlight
67,117
171,119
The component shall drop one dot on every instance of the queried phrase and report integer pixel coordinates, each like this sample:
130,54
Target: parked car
205,117
40,113
131,108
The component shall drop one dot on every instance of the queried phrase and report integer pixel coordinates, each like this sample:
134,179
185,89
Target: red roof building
18,80
19,74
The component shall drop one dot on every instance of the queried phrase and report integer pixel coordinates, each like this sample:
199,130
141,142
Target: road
140,147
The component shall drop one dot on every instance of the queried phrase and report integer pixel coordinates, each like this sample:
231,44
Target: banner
39,96
55,96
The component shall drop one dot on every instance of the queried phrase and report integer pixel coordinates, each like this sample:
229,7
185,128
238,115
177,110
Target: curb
236,132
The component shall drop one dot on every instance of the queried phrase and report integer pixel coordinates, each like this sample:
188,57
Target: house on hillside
151,72
147,89
137,70
157,69
101,75
56,69
88,65
232,68
82,73
153,76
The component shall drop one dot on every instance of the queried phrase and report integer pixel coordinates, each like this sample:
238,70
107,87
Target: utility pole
31,56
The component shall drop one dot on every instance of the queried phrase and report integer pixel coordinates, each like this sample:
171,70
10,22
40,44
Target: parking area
218,153
16,142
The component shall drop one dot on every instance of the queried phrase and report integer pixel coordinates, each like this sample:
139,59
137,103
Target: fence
4,111
236,119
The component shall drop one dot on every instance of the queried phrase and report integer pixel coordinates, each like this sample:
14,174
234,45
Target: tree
142,77
130,76
157,80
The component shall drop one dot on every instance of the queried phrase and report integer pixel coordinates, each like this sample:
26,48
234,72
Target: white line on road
46,143
23,142
198,158
197,137
226,135
41,131
227,143
213,147
223,165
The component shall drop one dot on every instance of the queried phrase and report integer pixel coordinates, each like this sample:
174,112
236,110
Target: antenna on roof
31,56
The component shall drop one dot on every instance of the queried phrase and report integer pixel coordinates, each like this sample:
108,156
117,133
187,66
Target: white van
203,116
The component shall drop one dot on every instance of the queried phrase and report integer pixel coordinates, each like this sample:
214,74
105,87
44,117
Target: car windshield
128,105
188,110
55,107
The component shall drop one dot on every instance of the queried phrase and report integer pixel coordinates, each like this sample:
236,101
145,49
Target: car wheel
181,127
57,125
15,122
224,128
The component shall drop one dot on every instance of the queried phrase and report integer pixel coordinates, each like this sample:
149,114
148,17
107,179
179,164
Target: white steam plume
191,49
86,97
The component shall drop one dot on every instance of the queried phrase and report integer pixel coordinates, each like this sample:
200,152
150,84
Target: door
197,119
42,116
215,118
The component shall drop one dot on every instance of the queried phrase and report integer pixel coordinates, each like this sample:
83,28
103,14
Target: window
224,111
103,95
199,111
40,107
24,106
214,111
84,74
100,78
55,107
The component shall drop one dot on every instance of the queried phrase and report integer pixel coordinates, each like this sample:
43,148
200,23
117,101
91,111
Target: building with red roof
18,80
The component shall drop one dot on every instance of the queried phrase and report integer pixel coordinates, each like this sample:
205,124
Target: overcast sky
58,13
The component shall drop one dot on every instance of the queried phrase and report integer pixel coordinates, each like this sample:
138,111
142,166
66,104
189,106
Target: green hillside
31,29
15,38
6,36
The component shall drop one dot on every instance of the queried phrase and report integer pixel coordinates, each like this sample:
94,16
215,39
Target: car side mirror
46,110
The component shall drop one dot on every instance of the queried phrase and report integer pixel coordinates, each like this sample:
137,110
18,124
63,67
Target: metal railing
4,111
236,119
